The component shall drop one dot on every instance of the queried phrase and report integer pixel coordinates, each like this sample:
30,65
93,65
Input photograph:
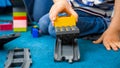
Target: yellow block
20,29
65,21
19,13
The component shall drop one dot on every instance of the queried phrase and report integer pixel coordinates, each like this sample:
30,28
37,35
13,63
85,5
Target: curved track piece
18,58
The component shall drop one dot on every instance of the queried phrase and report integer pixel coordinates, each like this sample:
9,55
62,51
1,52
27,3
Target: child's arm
61,6
111,37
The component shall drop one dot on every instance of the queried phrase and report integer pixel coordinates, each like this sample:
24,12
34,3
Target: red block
6,26
20,17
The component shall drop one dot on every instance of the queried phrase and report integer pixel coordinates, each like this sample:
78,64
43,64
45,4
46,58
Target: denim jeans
87,24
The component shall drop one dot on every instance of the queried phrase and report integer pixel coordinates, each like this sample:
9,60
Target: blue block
35,32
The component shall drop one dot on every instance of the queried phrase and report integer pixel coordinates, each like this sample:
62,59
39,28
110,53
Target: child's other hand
110,39
61,6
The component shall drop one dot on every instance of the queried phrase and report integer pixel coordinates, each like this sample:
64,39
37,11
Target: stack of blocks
6,22
19,16
20,21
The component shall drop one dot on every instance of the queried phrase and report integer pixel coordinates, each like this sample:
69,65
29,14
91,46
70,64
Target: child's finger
107,46
114,47
54,12
52,18
70,11
118,44
74,14
99,40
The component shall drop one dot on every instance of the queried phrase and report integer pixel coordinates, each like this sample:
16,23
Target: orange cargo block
65,21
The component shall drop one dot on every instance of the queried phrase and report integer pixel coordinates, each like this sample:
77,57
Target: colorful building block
18,13
20,29
19,23
6,26
19,16
35,31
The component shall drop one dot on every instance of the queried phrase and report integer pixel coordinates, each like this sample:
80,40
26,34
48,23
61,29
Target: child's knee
44,23
91,25
51,30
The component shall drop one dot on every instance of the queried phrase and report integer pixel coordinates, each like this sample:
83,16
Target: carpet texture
42,53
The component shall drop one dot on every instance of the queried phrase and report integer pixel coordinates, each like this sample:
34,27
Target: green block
19,13
19,29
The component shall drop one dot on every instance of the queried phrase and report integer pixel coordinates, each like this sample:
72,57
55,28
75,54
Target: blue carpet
42,52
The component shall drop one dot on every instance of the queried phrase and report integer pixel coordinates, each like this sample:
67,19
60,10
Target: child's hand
110,39
61,6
